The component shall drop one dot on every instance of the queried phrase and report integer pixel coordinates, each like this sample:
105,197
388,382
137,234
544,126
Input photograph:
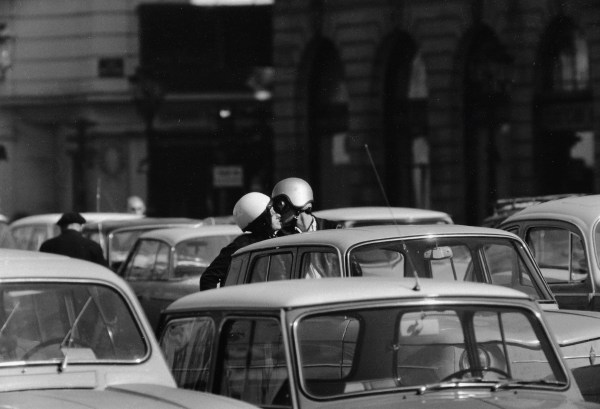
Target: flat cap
70,218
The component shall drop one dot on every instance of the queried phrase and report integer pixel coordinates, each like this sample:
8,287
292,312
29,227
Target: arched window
486,123
564,138
406,150
328,126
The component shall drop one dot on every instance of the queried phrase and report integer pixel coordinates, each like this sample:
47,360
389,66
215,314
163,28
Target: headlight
484,359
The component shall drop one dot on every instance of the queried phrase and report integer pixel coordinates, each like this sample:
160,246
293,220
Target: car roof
584,208
402,214
175,235
108,226
90,217
25,264
344,238
301,293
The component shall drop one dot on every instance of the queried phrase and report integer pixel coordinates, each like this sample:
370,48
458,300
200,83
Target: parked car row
427,312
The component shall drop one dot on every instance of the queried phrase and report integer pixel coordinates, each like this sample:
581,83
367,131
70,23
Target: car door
147,272
559,249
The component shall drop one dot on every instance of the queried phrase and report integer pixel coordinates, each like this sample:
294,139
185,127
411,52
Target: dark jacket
216,273
71,243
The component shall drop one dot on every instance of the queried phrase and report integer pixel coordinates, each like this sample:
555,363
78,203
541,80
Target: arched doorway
327,126
486,129
406,149
564,137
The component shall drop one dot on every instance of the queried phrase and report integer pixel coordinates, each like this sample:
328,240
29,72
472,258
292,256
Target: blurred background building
452,104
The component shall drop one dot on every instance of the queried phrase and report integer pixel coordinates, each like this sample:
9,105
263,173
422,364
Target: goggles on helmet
282,205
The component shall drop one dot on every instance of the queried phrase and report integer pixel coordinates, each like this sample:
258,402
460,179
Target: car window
31,237
366,350
559,253
375,261
83,322
494,260
507,269
148,262
253,368
119,244
161,264
327,346
271,267
319,264
191,257
456,267
187,346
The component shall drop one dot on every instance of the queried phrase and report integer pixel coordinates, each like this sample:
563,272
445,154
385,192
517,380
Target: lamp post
148,96
7,42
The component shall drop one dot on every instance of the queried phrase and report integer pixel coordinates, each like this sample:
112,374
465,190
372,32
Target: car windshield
364,350
46,322
495,260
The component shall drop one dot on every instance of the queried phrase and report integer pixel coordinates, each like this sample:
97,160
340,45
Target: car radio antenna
387,202
417,286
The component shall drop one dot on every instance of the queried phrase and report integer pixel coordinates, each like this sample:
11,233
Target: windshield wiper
69,336
12,313
450,385
515,384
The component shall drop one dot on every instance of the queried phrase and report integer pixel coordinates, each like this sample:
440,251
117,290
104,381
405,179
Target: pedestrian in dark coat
71,242
254,214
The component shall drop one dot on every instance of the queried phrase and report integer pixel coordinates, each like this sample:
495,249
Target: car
503,208
166,264
375,215
443,252
116,237
30,232
564,238
73,335
368,343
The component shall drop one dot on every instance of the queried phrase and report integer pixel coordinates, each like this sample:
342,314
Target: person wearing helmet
254,214
293,199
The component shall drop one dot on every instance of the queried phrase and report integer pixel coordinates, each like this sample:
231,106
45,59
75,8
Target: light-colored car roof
52,218
110,225
22,264
344,238
381,213
301,293
584,208
175,235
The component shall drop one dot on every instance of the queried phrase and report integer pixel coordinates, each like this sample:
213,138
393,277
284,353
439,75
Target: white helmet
249,207
297,192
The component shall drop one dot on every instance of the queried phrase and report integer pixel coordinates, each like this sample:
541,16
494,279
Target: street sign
228,176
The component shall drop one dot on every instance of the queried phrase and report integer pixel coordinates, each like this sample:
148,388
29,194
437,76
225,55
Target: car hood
474,399
124,396
573,326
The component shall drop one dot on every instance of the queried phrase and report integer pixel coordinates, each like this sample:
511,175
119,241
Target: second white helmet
297,191
249,207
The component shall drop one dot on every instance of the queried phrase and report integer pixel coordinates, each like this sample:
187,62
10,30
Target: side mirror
438,253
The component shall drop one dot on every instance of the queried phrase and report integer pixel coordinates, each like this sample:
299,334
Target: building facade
111,98
439,104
